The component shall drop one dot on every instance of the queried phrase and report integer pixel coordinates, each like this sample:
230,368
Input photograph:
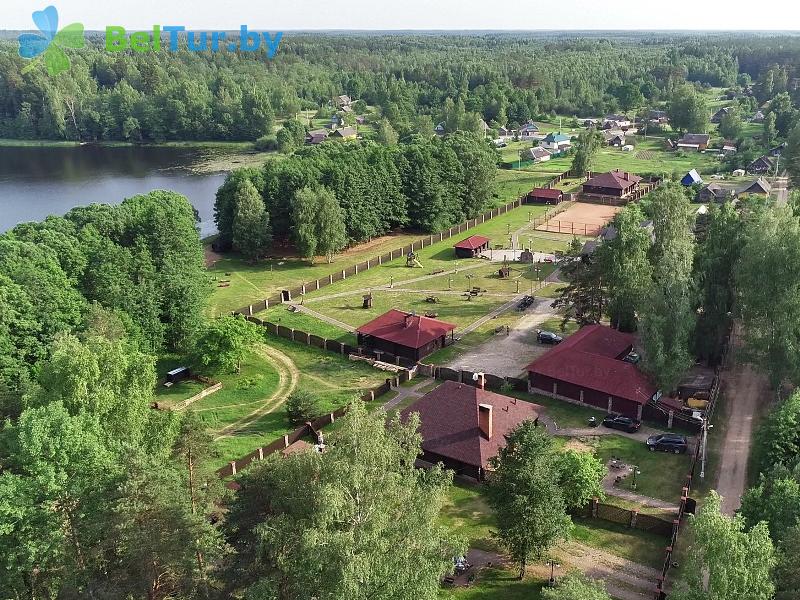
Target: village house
544,196
505,133
691,178
761,165
588,367
714,192
440,129
759,186
729,147
758,117
538,154
717,116
614,137
471,246
403,334
613,183
529,131
590,123
345,133
776,150
616,122
343,100
464,427
316,136
694,141
556,142
658,117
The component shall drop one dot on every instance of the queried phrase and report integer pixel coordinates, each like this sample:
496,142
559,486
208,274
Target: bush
302,406
266,143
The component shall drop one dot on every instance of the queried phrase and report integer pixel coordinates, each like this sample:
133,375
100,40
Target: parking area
507,354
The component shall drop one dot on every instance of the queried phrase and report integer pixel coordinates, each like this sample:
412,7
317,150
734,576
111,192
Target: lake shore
221,157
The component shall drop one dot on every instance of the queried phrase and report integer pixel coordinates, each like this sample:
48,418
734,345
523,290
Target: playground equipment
367,300
432,299
412,261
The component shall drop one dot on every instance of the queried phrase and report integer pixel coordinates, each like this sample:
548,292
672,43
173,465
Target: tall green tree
667,318
587,146
626,269
767,276
223,343
526,496
726,560
358,521
687,110
330,225
730,126
304,211
385,133
787,568
251,230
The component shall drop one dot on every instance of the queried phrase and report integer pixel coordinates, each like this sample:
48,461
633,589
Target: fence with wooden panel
376,261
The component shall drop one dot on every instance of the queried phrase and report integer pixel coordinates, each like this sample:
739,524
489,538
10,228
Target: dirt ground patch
211,257
508,355
581,218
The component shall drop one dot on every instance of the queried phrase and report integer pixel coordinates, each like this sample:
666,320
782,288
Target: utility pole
706,427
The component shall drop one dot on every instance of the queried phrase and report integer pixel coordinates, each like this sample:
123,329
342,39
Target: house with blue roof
557,142
691,178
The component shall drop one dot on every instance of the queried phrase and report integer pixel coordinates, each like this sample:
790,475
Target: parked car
668,442
548,337
525,302
632,357
622,423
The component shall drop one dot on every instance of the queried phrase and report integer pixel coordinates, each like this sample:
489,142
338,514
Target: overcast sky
276,15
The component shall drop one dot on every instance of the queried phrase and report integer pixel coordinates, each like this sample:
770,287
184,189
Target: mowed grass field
334,379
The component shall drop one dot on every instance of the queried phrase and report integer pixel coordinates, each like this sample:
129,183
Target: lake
37,181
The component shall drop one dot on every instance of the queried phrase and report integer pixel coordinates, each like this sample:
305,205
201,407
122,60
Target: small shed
403,334
178,374
471,246
544,196
691,178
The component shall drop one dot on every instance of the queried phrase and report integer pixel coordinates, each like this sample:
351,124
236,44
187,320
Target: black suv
668,442
548,337
622,423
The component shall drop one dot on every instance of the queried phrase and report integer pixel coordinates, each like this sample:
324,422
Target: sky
283,15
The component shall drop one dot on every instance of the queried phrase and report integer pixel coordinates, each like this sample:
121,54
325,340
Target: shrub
266,143
302,406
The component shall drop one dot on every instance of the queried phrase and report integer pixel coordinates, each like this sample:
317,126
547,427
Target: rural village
488,353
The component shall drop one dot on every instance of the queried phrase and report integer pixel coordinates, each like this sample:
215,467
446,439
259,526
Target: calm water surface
37,182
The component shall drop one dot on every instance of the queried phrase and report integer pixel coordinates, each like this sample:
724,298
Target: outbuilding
471,246
588,367
614,183
544,196
403,334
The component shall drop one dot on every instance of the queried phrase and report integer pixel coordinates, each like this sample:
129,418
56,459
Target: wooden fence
199,396
234,466
628,517
376,261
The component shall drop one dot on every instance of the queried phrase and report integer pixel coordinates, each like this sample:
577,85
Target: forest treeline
426,184
227,96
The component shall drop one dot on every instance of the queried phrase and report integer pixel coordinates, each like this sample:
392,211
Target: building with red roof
545,196
463,426
405,334
587,367
472,246
613,183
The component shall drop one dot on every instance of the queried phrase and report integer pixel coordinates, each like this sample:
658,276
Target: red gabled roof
591,359
406,329
546,193
472,242
614,180
449,421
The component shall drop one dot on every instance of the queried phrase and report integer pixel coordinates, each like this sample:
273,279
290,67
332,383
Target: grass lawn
511,184
565,415
168,396
497,584
662,475
280,315
643,547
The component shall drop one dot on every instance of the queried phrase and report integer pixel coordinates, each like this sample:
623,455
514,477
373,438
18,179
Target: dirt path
625,579
744,389
330,320
288,377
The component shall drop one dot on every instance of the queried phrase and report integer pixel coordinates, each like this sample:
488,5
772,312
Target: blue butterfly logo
48,44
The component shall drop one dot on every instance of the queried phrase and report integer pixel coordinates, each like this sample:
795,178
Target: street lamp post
636,471
553,564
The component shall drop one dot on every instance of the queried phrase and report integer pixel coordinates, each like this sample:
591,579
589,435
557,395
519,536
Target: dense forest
227,96
428,184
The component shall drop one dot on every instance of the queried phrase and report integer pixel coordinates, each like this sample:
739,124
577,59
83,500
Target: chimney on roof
409,317
485,420
626,176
